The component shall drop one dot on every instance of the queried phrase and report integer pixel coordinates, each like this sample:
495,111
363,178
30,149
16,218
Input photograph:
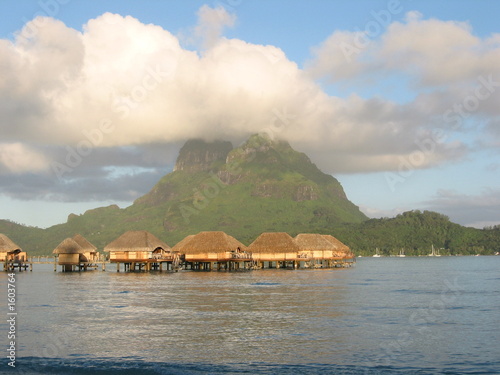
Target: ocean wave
134,365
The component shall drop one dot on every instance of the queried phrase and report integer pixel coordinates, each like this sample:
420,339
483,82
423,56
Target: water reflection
337,317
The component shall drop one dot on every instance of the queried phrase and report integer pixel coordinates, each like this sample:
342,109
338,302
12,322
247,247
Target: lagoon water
383,316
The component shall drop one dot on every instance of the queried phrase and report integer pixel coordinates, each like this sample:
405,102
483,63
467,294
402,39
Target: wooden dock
167,262
240,262
13,265
67,267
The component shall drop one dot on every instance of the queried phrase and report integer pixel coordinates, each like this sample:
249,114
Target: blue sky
363,85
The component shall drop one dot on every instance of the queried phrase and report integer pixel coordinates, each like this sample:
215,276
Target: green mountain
263,185
260,186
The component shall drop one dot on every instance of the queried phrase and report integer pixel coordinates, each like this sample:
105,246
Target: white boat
401,253
434,252
377,254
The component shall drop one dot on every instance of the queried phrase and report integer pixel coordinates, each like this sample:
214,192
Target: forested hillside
416,232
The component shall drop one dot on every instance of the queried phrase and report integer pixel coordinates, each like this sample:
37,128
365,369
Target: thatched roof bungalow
275,246
136,246
75,250
69,252
314,246
215,246
9,251
340,250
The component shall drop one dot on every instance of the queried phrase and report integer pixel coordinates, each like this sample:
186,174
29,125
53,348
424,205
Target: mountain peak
198,155
262,140
263,185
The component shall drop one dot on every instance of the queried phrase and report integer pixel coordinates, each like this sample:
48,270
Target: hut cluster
141,250
216,250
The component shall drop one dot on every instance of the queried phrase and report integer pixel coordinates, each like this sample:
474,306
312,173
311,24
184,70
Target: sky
399,100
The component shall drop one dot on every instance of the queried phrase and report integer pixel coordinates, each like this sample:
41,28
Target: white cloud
433,52
453,75
478,210
211,23
441,63
17,158
336,58
376,213
439,52
59,85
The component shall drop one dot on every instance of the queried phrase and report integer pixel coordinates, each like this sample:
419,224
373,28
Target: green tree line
416,232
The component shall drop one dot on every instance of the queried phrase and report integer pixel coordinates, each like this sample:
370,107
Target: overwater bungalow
11,255
322,251
276,249
314,249
207,250
141,249
340,251
90,253
76,253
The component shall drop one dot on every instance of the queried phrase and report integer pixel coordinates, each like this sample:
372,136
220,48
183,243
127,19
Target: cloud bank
434,52
477,211
123,88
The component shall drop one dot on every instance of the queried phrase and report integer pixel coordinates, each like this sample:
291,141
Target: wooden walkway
10,265
174,264
158,264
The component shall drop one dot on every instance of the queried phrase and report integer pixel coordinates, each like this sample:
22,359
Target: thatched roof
313,242
208,242
68,246
181,243
7,245
342,249
84,243
139,240
339,246
276,242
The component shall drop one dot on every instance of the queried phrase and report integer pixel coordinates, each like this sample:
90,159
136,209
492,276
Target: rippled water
384,316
